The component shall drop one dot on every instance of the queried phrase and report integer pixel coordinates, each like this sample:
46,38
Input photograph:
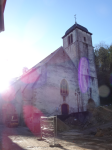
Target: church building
60,84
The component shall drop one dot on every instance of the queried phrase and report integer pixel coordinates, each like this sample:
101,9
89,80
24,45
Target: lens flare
83,74
104,91
31,77
9,94
32,118
8,110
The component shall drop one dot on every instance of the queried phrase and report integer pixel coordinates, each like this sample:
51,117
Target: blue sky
33,29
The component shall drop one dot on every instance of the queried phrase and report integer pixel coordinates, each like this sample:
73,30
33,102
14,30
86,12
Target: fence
49,129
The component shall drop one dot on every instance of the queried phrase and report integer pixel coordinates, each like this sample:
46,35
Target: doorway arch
65,109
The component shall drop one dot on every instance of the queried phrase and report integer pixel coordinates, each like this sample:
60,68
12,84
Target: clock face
83,74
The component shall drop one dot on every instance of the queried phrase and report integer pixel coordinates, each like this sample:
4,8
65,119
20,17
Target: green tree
102,57
110,57
103,62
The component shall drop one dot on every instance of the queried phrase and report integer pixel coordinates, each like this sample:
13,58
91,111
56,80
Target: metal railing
49,129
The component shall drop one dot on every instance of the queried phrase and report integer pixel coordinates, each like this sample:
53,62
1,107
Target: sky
34,29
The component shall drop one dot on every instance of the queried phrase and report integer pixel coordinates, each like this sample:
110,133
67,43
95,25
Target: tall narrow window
84,39
64,88
70,39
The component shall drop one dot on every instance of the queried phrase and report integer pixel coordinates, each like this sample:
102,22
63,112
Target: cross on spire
75,19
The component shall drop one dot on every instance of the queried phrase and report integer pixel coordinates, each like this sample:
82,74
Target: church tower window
84,39
70,39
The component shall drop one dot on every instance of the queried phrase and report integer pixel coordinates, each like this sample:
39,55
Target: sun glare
3,86
15,51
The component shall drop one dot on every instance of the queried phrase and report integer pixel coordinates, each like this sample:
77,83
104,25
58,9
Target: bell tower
77,42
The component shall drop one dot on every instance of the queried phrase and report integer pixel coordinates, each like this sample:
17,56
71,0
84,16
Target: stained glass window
64,88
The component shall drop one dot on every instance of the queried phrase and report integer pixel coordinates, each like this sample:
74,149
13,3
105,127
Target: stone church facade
60,84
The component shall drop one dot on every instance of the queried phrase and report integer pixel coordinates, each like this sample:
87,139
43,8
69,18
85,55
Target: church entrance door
65,109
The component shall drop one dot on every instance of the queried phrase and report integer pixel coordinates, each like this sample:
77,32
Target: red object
3,3
2,8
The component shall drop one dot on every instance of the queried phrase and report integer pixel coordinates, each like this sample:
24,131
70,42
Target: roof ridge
36,66
49,57
74,27
70,58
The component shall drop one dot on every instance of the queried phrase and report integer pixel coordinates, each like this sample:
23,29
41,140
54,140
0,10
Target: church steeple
78,27
76,42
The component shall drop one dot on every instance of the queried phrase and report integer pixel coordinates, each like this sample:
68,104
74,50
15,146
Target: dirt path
21,139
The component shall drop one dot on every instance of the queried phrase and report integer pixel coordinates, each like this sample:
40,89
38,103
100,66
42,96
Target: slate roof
74,27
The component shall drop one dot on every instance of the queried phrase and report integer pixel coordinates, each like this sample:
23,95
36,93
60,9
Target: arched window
64,88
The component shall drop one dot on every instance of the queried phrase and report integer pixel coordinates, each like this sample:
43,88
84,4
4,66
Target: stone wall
61,67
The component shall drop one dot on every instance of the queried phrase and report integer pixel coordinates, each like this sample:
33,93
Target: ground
21,138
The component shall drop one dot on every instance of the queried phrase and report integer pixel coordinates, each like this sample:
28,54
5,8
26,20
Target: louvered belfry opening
70,39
